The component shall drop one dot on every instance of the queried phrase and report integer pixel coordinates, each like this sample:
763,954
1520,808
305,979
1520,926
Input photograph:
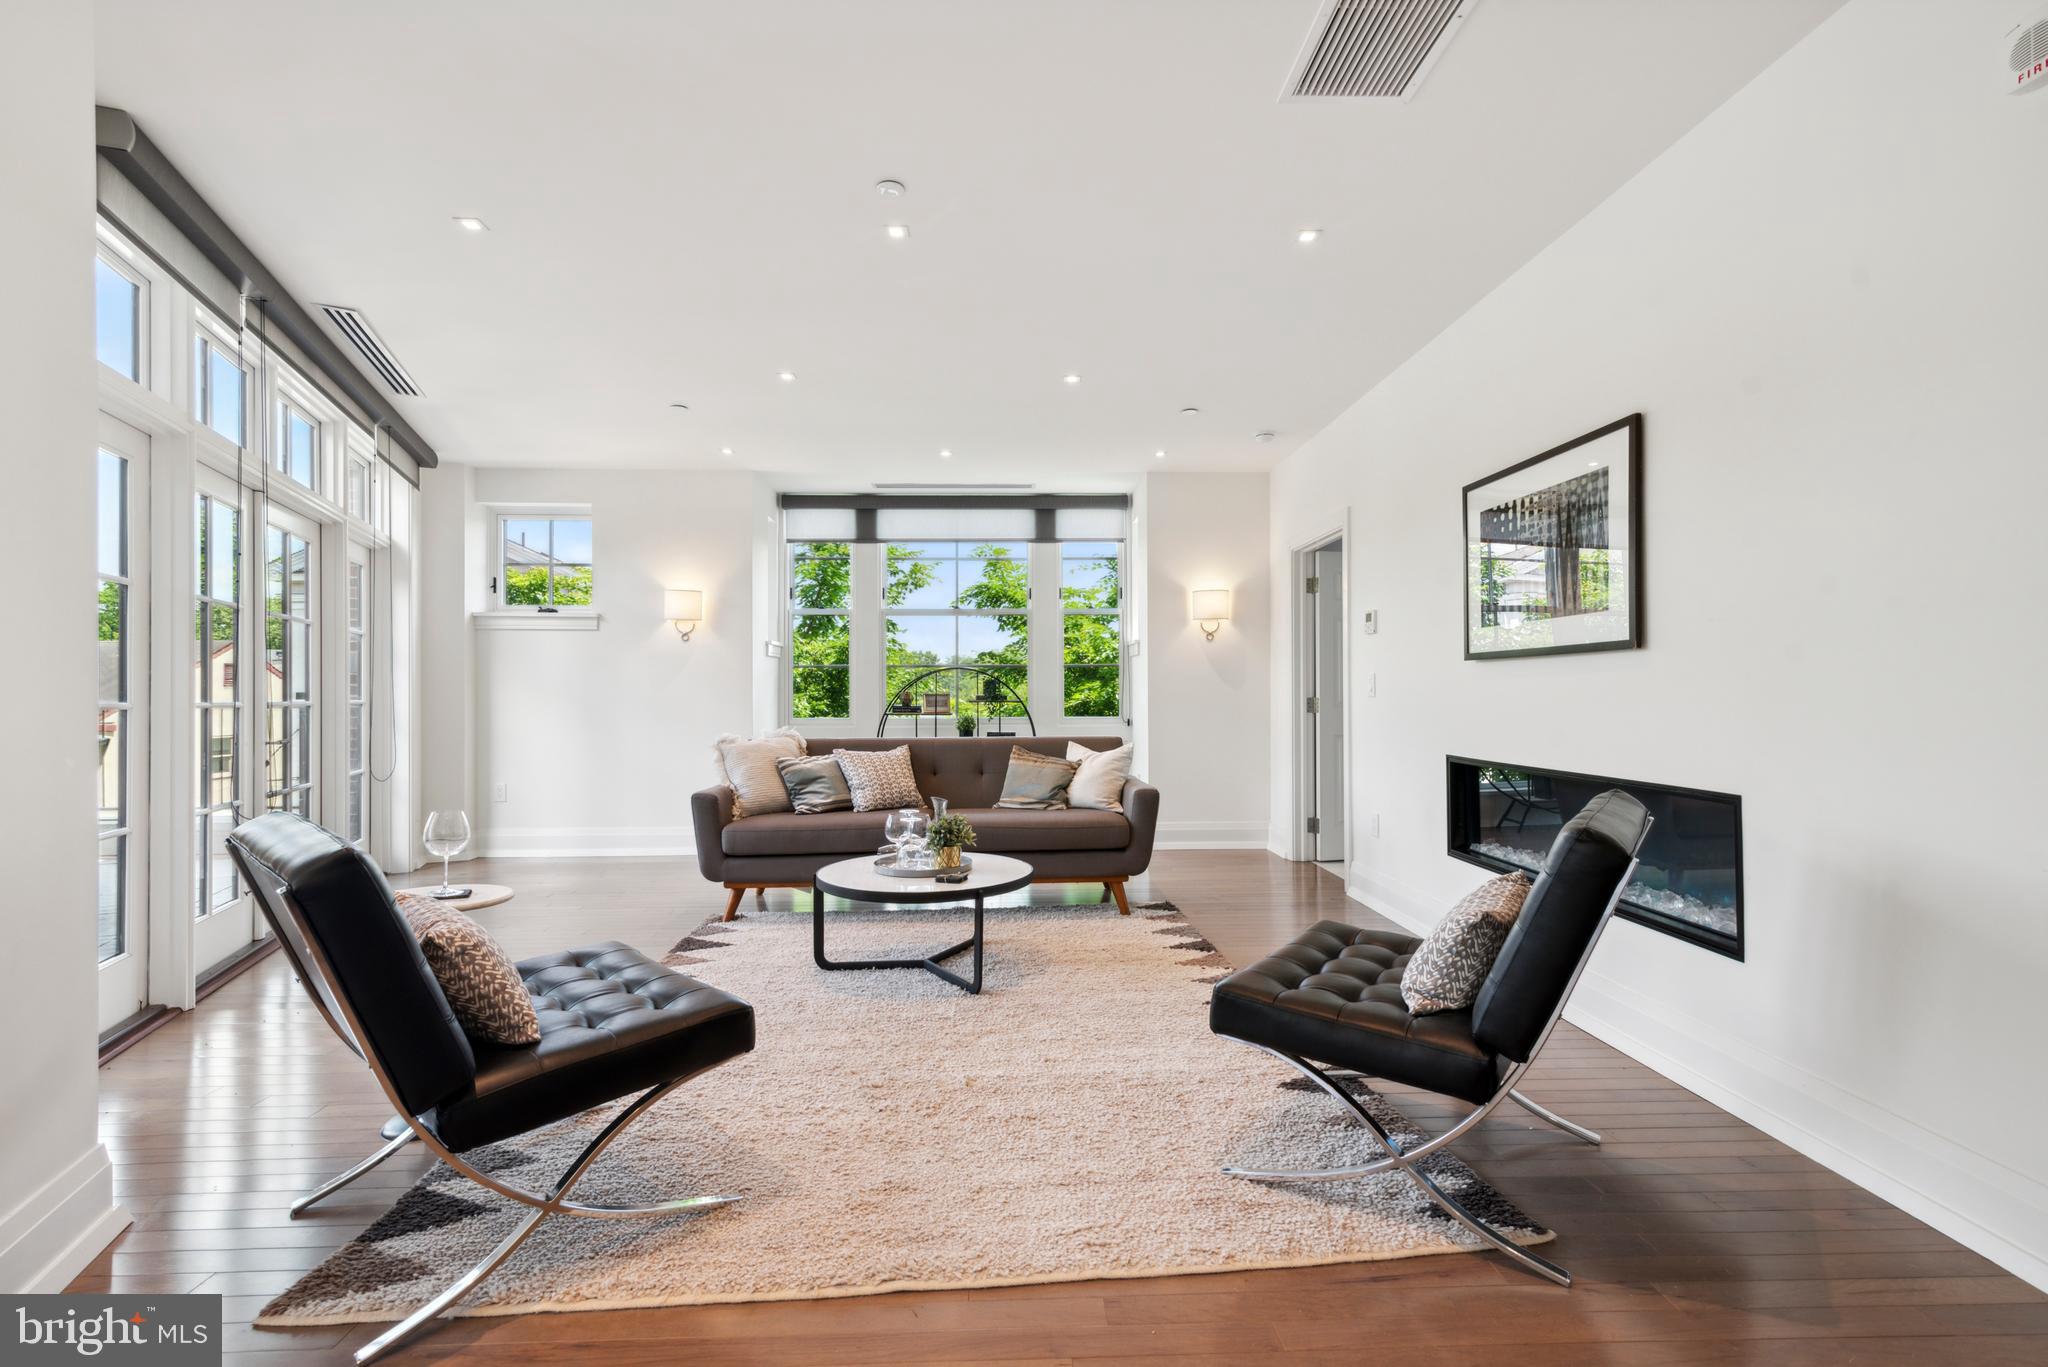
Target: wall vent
1373,49
356,328
954,488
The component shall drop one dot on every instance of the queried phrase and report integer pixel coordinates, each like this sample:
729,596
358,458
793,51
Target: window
545,562
217,577
117,313
356,492
114,706
288,683
358,699
298,446
957,603
821,629
217,380
1091,628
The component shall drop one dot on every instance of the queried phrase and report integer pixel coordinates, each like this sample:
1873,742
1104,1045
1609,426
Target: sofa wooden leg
760,897
732,903
1116,890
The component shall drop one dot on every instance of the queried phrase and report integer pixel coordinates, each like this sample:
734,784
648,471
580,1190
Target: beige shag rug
893,1133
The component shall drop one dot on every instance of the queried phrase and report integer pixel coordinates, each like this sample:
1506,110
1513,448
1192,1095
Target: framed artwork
1554,549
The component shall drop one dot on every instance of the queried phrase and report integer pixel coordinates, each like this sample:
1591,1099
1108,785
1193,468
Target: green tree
1092,647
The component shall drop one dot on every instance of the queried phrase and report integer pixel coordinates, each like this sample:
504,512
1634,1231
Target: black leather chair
612,1022
1333,995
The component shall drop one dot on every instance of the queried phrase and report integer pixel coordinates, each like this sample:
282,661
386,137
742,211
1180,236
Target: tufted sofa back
320,893
967,771
1559,922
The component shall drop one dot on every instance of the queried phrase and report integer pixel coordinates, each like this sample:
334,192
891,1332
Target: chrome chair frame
553,1202
1406,1161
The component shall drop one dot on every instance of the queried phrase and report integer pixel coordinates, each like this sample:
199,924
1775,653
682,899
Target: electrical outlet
501,792
1372,685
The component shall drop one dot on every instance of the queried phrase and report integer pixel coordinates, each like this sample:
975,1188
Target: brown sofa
1074,845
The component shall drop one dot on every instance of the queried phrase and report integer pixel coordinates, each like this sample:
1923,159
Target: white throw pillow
748,768
1099,782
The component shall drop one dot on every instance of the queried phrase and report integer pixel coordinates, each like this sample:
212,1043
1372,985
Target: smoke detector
2023,55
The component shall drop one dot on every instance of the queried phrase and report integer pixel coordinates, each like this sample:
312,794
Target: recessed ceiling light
1190,412
1071,379
897,231
945,455
475,225
1262,436
889,189
1308,234
786,376
725,450
685,407
1159,455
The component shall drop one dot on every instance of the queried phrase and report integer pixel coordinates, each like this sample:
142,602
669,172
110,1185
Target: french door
224,915
291,598
122,908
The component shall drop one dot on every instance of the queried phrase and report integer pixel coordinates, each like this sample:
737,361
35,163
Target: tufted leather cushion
612,1021
1334,994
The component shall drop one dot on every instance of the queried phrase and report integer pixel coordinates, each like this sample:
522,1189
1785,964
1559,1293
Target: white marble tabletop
859,878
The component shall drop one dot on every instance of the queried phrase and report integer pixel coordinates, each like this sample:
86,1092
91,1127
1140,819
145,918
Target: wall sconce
1212,610
684,609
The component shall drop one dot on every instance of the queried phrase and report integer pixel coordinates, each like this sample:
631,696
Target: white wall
599,737
57,1208
1200,699
1828,300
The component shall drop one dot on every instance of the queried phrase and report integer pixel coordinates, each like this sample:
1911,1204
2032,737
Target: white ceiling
680,205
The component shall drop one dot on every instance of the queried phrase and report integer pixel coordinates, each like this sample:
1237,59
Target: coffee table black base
929,964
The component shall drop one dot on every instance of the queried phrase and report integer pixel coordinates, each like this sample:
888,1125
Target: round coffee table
858,880
481,895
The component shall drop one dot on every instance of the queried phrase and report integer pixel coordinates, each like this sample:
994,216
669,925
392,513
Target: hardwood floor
1695,1238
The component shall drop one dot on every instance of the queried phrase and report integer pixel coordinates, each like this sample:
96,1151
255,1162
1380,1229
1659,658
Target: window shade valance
905,517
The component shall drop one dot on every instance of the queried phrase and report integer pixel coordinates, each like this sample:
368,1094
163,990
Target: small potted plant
963,722
946,836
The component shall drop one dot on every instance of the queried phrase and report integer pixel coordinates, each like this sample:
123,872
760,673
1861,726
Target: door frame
141,897
1299,845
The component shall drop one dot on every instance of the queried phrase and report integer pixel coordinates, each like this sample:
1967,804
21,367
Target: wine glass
446,835
903,827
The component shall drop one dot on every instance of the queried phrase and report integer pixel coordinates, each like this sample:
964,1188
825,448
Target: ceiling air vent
954,488
357,329
1373,49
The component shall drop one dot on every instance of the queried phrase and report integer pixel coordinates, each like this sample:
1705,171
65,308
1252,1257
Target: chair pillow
1036,781
1449,967
880,780
1099,782
815,783
748,768
489,997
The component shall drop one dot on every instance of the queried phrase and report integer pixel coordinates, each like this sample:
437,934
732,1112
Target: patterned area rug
892,1133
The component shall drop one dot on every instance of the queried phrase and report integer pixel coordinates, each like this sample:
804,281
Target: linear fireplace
1689,882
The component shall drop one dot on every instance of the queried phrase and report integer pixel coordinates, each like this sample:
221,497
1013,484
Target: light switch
1370,624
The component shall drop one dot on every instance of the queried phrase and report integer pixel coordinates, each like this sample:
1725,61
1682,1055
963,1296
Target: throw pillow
1099,782
1449,967
485,990
880,780
748,768
815,783
1036,781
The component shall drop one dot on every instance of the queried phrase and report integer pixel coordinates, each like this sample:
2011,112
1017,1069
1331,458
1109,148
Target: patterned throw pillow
881,780
1448,968
1036,781
815,783
1099,782
480,983
748,768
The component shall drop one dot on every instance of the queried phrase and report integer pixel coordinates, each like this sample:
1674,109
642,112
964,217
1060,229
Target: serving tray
887,866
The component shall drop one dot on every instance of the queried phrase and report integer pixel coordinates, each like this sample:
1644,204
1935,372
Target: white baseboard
61,1227
1210,835
576,842
1978,1201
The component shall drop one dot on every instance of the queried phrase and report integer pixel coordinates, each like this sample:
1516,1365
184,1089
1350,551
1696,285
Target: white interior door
122,906
224,915
1328,719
